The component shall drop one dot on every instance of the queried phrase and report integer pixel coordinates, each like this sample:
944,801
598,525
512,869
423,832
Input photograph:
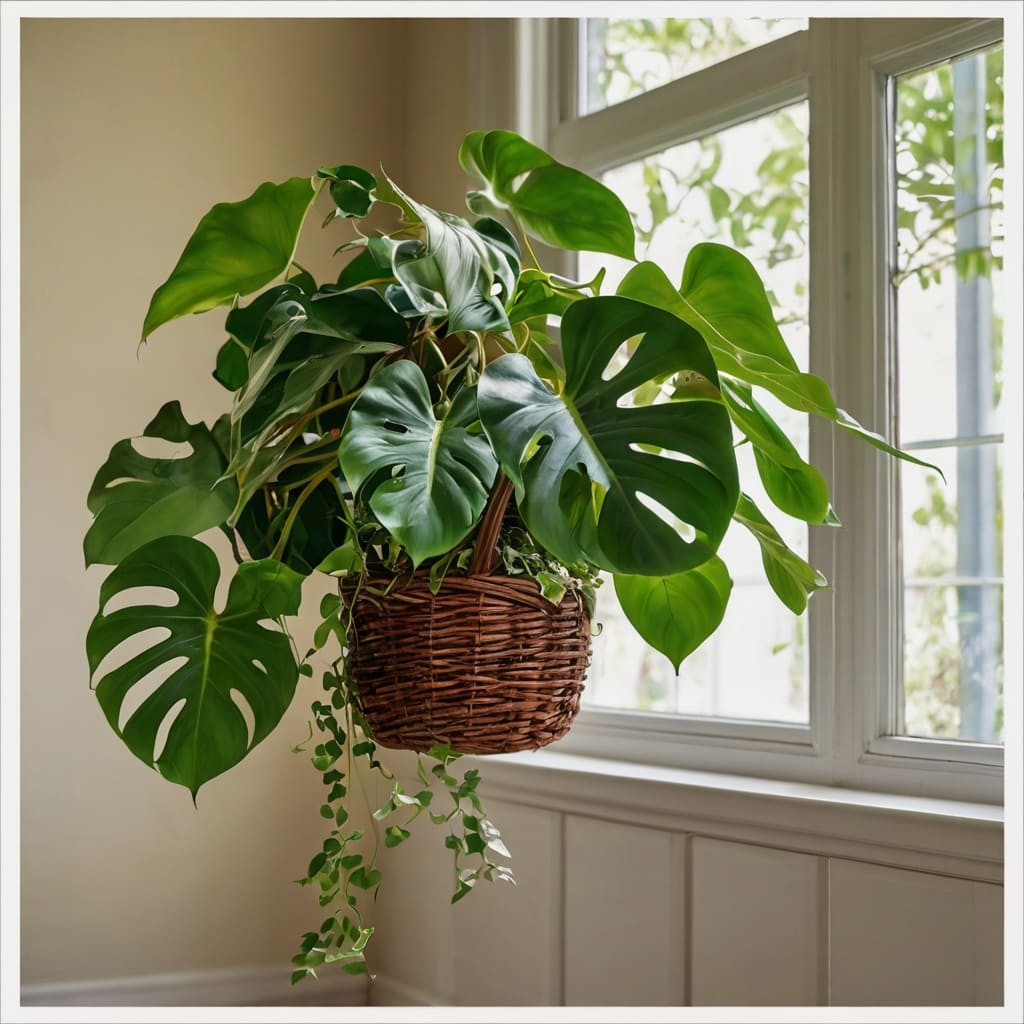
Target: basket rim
414,588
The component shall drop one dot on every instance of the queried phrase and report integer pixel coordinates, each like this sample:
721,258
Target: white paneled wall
507,950
616,878
758,926
904,938
690,908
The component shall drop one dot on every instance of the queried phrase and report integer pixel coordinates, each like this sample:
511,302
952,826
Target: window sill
948,837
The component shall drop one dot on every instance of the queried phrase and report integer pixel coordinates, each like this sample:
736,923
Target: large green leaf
723,298
236,249
742,337
225,652
136,498
586,463
464,273
426,479
791,577
676,614
794,485
557,204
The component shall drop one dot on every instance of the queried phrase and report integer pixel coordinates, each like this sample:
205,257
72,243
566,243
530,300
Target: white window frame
841,66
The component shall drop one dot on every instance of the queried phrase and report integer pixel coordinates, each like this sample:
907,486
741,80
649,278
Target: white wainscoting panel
624,914
758,926
907,938
507,940
685,889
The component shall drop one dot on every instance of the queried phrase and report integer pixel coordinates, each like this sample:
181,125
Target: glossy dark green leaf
136,499
557,204
456,271
236,249
426,479
360,318
365,267
351,189
224,652
676,614
791,577
583,480
232,369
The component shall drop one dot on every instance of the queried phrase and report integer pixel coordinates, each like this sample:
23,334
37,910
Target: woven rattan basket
486,665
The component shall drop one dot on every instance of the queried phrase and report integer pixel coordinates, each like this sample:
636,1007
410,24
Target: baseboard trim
387,991
242,986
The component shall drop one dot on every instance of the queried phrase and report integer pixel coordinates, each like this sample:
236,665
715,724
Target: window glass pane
948,282
628,56
755,667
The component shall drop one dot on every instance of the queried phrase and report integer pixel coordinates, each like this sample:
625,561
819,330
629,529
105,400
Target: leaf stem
299,502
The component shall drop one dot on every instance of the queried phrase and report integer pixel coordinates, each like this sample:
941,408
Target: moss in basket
371,417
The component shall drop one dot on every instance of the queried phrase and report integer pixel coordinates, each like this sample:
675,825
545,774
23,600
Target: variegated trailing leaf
460,272
224,652
136,498
588,465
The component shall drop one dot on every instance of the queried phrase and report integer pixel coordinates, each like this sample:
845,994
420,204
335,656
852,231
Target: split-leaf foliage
369,418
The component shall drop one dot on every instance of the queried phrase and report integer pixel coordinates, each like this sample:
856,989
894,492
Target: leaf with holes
676,614
222,653
136,498
722,296
583,478
426,479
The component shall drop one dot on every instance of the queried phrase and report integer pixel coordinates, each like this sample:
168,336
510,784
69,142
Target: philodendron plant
371,416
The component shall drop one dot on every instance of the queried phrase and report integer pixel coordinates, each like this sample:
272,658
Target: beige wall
131,129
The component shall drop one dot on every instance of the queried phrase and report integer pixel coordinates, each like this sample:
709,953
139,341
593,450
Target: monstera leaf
136,498
236,249
438,472
723,298
557,204
676,614
587,464
225,653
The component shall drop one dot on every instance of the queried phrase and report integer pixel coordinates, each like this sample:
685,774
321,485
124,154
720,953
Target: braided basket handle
485,552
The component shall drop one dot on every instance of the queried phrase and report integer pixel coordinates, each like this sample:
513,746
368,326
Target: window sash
843,68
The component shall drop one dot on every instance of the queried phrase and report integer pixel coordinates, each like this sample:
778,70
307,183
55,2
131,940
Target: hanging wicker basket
486,665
